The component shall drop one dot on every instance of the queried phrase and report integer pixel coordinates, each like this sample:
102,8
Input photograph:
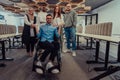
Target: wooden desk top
101,37
9,35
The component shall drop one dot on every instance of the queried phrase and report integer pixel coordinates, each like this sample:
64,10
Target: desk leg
118,54
78,45
96,54
111,70
9,42
77,41
91,41
13,42
97,50
3,52
106,58
87,43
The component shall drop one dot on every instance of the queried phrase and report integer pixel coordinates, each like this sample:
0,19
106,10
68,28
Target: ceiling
81,6
96,3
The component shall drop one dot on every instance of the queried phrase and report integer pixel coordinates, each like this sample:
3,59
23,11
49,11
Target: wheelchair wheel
36,59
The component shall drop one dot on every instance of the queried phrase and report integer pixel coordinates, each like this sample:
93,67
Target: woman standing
58,21
29,31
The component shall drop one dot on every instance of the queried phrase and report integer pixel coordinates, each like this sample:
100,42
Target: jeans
70,37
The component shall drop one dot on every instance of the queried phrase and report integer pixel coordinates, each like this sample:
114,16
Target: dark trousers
30,45
50,48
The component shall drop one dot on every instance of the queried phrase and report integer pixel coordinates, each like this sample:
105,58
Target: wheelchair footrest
55,67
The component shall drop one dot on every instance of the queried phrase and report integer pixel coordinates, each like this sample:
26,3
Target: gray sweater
70,19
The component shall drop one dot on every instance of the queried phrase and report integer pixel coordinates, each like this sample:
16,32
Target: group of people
47,26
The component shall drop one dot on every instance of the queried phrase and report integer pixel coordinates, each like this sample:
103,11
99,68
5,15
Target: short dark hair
44,9
48,15
67,4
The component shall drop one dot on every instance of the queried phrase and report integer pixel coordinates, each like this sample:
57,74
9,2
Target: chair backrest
7,29
99,29
79,29
20,29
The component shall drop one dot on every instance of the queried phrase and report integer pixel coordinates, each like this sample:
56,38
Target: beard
68,10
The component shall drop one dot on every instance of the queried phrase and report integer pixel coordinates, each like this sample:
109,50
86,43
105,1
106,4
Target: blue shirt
47,33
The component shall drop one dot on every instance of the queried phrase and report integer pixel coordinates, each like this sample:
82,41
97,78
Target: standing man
70,19
41,18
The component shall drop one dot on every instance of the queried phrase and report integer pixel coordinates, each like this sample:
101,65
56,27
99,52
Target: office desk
2,42
108,39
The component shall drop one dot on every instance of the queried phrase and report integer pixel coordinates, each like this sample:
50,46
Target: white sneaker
39,70
73,53
50,65
67,51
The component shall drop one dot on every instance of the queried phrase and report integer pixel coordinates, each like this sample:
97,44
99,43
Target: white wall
110,13
11,19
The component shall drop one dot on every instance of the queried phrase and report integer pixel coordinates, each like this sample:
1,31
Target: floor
73,68
21,68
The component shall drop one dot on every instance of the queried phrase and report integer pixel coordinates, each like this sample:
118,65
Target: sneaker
67,51
50,65
39,70
73,53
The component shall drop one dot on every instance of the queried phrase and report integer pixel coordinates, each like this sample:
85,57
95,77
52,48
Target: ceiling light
87,8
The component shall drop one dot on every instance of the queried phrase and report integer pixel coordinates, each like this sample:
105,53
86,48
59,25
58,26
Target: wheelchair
39,51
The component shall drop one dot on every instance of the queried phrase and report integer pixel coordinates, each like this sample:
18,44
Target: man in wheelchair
46,34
